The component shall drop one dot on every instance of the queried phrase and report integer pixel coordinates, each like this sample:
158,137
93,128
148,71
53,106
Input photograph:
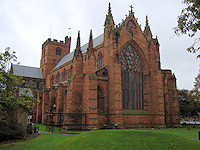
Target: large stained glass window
132,79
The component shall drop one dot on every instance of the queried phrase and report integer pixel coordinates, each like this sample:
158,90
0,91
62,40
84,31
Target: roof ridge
26,66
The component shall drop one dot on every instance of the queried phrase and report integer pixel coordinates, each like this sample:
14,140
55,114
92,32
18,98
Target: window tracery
132,79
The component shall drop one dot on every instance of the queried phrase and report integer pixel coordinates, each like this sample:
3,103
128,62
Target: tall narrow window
132,79
100,100
70,71
58,51
100,60
66,98
58,77
63,75
66,74
52,80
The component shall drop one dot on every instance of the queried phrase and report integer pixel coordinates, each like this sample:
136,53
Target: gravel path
73,134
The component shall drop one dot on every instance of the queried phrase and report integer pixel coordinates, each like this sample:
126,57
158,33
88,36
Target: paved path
73,134
194,138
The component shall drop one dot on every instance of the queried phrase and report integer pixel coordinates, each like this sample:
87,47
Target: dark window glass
132,79
58,51
100,60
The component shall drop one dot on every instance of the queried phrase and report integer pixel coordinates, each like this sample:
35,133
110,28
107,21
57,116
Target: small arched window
58,51
100,60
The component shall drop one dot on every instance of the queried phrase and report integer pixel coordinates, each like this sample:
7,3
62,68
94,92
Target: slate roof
96,42
26,71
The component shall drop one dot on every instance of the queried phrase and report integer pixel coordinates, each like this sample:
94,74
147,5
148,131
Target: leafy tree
194,97
189,101
9,99
184,103
189,22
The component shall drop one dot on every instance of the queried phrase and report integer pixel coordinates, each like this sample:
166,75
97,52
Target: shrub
29,128
11,130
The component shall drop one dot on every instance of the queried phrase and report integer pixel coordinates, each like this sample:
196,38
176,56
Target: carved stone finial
90,45
109,18
78,41
78,46
109,8
147,22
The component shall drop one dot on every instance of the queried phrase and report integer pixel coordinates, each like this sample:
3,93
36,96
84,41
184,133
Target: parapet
166,71
56,42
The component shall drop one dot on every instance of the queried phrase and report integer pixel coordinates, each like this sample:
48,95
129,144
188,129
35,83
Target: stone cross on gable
131,9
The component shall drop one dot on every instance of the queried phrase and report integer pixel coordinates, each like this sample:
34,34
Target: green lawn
160,139
43,142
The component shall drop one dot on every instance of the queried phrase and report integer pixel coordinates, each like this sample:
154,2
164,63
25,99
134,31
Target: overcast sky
26,24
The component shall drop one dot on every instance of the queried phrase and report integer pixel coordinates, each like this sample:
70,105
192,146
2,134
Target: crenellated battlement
56,42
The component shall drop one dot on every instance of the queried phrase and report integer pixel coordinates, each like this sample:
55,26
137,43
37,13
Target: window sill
134,112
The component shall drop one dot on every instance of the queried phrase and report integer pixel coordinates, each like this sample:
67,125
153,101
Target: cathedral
116,78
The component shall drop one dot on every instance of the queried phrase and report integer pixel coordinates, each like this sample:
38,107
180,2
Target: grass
43,142
41,127
115,139
133,139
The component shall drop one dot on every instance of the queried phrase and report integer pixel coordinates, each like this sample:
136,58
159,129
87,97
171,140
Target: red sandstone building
114,78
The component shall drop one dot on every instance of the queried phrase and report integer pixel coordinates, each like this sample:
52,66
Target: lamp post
54,108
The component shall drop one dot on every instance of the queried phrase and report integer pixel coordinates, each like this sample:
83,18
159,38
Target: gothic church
115,78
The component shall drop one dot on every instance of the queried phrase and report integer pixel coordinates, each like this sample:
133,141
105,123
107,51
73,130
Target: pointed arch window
70,71
63,75
66,98
100,100
58,77
132,79
52,80
100,60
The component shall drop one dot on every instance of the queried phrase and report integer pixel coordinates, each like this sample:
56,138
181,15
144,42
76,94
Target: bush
29,128
11,130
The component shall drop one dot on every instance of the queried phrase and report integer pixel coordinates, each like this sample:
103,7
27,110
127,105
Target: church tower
52,52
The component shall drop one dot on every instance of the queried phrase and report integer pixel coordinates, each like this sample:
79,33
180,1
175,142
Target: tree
189,101
9,99
189,22
194,96
184,104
